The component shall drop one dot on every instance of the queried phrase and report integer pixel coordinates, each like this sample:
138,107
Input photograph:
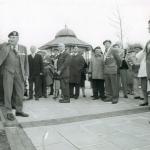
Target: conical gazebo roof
68,37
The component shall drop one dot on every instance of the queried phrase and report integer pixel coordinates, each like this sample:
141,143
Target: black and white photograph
75,75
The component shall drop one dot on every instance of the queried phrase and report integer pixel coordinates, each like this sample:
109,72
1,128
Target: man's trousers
123,76
111,87
64,85
13,85
37,82
75,86
144,88
98,88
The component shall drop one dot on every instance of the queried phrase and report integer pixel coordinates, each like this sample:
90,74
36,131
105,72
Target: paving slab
4,144
58,146
12,136
97,134
46,109
108,146
143,148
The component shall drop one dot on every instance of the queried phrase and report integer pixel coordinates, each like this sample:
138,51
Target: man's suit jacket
5,48
112,61
76,66
35,65
63,64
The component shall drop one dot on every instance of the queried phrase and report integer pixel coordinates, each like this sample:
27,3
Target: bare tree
116,22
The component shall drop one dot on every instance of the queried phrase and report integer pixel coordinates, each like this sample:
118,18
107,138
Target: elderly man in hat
63,67
14,60
107,44
111,63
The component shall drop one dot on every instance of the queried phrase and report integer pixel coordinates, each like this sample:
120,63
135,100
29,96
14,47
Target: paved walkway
4,144
83,124
130,132
46,109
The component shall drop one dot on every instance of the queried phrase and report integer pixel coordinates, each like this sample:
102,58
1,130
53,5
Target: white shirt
141,57
16,47
33,55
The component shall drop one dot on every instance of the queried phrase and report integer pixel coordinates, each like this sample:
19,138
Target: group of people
119,69
108,72
51,72
65,73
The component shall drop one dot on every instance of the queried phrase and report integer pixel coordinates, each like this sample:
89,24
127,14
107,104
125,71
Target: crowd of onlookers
43,72
120,69
108,72
63,74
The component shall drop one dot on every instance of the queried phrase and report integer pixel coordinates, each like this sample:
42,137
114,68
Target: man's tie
15,50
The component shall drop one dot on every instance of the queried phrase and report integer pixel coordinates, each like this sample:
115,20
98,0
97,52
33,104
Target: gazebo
70,40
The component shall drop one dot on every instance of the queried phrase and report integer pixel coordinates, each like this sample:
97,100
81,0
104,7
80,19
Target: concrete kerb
17,138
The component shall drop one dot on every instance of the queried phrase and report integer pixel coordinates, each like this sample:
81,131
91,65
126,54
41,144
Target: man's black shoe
50,93
10,117
76,97
55,97
36,98
114,102
45,96
22,114
30,98
137,97
103,97
95,98
64,101
107,100
13,107
125,96
144,104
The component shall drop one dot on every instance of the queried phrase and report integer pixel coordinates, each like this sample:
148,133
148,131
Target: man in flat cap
111,63
107,43
14,61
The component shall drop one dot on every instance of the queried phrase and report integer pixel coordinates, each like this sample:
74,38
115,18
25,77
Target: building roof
65,32
67,37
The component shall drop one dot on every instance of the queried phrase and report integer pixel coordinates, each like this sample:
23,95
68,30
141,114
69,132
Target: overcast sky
38,21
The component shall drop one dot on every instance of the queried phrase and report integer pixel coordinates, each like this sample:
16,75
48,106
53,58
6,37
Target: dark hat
98,47
13,33
139,46
130,50
106,41
114,45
